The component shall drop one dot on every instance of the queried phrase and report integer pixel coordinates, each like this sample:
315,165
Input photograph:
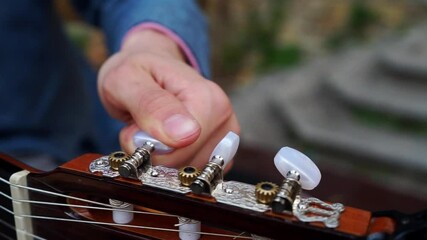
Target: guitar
79,200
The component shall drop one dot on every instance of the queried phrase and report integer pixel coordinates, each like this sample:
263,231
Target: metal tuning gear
265,192
116,159
212,174
301,173
140,160
187,175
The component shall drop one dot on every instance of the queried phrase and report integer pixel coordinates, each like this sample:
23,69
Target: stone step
317,118
406,55
357,80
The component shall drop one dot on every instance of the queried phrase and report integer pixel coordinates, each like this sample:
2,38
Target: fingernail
179,127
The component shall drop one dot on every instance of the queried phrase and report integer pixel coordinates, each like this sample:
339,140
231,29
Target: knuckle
119,74
156,103
122,69
111,78
220,99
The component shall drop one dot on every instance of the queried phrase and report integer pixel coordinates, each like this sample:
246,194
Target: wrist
152,41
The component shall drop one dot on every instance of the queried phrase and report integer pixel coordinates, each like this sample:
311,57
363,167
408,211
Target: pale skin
149,85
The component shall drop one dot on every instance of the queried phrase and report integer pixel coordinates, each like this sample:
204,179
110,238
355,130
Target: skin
149,85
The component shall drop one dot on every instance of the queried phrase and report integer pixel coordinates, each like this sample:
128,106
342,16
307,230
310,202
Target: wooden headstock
74,178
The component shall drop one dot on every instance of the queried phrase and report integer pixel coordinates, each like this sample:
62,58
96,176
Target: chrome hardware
102,165
289,190
139,161
238,194
209,178
298,170
315,210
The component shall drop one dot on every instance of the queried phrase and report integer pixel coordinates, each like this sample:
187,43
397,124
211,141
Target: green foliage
78,34
360,19
287,55
259,35
387,121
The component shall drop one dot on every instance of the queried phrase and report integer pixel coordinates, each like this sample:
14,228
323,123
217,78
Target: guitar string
98,203
84,206
6,209
16,230
3,236
72,197
13,227
103,223
134,226
116,225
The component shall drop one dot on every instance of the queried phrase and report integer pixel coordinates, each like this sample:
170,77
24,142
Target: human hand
148,85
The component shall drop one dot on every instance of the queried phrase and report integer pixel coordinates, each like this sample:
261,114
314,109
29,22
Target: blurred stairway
363,110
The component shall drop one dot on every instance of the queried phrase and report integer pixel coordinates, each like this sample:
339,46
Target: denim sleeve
183,17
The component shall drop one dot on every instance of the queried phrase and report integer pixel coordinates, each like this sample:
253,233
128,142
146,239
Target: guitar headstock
157,202
224,202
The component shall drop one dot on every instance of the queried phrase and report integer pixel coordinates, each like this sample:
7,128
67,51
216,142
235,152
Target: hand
148,85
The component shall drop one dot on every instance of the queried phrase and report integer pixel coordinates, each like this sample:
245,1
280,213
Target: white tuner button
288,159
159,148
227,147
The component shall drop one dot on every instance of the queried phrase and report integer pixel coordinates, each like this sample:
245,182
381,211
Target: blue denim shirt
48,98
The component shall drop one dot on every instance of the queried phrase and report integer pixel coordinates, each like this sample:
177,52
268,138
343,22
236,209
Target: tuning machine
187,175
212,174
140,160
265,192
116,159
299,173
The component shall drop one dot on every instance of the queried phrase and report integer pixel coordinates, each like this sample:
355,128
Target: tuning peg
140,138
299,172
289,160
226,148
212,174
141,158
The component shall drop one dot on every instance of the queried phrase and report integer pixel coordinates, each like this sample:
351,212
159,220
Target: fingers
205,149
130,93
211,108
170,101
196,154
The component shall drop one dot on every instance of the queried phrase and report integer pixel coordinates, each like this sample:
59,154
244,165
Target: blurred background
343,81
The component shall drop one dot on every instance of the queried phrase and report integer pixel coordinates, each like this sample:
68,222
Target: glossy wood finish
382,224
354,222
150,221
74,178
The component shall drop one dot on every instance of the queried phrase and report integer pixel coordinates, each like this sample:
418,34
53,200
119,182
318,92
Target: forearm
180,20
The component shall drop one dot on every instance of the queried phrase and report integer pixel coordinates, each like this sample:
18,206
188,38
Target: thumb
155,110
162,115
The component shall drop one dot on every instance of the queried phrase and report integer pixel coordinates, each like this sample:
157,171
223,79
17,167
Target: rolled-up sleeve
182,17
